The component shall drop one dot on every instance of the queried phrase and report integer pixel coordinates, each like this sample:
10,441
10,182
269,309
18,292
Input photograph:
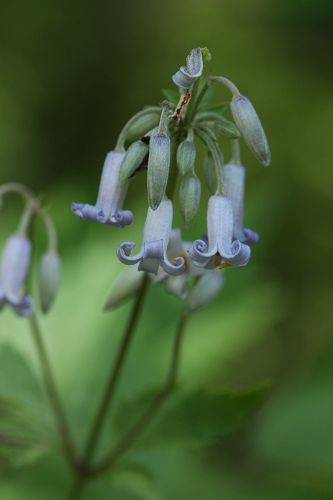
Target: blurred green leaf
296,427
193,419
137,479
171,95
23,429
219,108
21,442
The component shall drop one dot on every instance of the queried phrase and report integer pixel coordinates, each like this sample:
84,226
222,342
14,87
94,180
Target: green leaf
206,100
24,433
219,108
21,442
194,419
136,478
171,95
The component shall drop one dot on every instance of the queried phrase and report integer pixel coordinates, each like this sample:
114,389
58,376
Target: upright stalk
60,417
115,373
142,423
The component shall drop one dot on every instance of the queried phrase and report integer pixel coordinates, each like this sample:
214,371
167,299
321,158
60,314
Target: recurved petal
182,79
88,212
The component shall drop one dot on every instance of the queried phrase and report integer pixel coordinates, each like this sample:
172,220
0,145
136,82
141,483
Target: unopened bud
210,172
133,158
189,197
158,169
48,280
186,153
125,286
250,127
141,126
205,290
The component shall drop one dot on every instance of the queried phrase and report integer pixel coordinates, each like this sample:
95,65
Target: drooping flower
111,194
233,183
153,252
221,250
181,285
14,269
187,75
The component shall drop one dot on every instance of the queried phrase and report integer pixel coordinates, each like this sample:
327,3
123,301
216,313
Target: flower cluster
16,259
162,141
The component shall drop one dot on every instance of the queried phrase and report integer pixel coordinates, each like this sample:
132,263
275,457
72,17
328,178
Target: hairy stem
59,413
142,423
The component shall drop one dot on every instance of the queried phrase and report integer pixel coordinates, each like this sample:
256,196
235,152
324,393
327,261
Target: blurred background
71,74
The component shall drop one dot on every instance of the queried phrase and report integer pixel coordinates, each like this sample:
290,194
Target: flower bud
158,169
205,290
133,158
124,287
250,127
186,153
210,172
141,126
189,197
48,280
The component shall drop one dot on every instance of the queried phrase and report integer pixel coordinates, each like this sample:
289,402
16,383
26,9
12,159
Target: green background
71,74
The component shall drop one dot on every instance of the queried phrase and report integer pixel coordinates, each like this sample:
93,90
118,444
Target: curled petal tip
251,238
176,267
122,218
241,254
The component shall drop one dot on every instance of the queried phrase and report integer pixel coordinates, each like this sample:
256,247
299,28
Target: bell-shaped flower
221,250
205,290
187,75
14,269
153,252
111,194
233,184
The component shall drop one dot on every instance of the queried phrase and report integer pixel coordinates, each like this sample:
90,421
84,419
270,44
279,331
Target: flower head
153,252
187,75
221,250
14,268
111,194
233,182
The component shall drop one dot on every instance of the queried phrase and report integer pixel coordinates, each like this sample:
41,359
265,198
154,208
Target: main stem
61,420
115,373
142,423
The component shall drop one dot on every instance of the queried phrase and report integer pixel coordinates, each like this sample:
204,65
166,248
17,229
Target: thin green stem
59,413
120,146
142,423
115,373
193,109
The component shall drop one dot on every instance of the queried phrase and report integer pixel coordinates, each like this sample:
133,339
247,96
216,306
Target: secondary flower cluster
16,259
162,141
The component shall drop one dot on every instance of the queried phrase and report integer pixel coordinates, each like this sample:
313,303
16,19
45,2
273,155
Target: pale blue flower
221,250
153,252
180,285
187,75
233,186
111,195
14,269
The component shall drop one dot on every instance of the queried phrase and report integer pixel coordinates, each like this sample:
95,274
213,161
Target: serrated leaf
199,418
21,442
171,95
23,427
